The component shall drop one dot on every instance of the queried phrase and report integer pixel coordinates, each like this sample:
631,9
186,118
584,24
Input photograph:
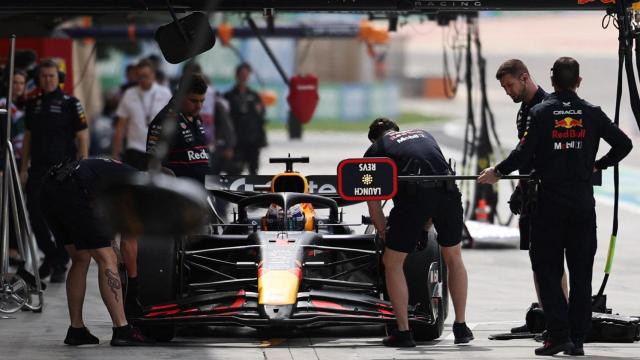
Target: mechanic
416,152
248,117
562,143
517,82
68,199
55,130
188,154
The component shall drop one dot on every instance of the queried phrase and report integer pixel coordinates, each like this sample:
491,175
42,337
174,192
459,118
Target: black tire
416,270
157,279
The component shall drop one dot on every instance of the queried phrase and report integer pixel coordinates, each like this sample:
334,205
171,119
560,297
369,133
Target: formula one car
287,260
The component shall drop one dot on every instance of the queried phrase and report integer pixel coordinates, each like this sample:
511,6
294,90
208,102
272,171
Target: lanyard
147,110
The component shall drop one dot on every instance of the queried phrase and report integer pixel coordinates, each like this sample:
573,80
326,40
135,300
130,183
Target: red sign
59,50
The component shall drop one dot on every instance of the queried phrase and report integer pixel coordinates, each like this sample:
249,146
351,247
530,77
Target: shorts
72,217
410,214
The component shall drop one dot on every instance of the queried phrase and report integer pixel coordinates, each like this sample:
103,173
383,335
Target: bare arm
377,217
82,142
26,156
118,137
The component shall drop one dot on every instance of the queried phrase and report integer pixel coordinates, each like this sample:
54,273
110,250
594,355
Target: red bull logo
568,123
582,2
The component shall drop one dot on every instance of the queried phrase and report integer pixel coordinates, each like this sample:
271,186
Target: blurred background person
138,106
248,117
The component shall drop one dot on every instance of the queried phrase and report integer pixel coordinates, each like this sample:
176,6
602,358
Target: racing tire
157,279
416,268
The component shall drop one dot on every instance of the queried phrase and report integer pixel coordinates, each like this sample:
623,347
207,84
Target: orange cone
482,211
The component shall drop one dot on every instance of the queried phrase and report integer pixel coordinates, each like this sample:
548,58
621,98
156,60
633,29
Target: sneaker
551,347
542,337
30,279
462,333
577,349
129,336
59,274
80,336
399,339
520,329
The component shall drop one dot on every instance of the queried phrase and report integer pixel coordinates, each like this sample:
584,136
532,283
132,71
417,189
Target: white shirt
140,107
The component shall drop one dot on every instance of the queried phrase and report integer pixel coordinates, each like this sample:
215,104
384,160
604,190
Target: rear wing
234,188
318,184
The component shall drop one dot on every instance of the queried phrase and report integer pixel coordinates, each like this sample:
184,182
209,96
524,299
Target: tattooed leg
113,280
109,283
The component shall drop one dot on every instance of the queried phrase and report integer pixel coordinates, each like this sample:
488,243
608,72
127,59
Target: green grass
342,125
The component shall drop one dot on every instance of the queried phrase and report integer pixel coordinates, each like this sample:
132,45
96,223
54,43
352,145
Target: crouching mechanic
416,152
68,199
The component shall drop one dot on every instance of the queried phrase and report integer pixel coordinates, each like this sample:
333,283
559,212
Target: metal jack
18,290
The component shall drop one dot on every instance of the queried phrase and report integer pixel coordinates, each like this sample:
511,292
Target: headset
49,63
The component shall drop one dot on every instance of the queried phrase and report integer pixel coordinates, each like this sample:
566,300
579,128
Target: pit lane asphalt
499,291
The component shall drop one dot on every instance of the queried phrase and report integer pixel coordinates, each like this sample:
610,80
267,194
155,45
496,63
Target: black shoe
399,339
45,269
15,261
129,336
132,308
551,347
542,337
80,336
59,274
30,279
462,333
520,329
577,349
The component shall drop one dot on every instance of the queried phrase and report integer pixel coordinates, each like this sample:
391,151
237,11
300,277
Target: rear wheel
158,278
425,272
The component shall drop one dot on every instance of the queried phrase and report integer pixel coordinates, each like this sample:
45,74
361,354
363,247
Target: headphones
49,63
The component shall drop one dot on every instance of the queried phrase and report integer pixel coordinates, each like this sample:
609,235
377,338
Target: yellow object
289,182
309,215
278,287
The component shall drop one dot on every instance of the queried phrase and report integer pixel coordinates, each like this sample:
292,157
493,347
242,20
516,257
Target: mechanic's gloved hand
516,200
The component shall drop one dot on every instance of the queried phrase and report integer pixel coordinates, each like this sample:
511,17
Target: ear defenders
49,62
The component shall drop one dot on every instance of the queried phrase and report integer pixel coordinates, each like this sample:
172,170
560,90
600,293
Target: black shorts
72,217
410,214
137,159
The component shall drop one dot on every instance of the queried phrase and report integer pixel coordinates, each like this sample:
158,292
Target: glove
515,201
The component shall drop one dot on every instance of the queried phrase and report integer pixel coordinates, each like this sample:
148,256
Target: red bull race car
286,260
